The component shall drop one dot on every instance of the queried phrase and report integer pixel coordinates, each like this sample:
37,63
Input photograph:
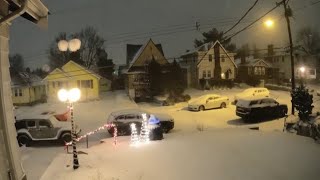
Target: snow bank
206,155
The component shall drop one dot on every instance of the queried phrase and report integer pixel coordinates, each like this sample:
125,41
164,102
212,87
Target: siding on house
72,75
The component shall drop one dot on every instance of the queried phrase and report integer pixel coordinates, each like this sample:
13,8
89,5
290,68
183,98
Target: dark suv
259,108
40,129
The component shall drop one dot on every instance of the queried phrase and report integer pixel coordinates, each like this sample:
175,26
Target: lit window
204,74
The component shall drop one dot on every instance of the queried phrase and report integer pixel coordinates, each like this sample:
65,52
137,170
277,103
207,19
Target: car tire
24,140
223,105
66,137
201,108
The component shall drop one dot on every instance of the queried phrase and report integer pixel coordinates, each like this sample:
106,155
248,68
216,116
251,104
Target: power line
243,29
245,14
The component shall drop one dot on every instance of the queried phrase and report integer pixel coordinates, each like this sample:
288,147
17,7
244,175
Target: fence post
87,140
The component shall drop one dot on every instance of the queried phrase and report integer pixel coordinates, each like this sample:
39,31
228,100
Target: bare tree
309,40
87,55
91,43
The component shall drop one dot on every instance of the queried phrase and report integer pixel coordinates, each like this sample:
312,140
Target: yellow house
27,88
73,75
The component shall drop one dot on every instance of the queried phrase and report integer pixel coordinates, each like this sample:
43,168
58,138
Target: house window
204,74
53,84
18,92
255,70
263,71
210,57
312,72
209,74
87,84
59,84
283,59
78,83
222,58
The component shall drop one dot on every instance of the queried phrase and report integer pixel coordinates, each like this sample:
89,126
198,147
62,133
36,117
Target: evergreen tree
155,77
302,100
105,65
174,78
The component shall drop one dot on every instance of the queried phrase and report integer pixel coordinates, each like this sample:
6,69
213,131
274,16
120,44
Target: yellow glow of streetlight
269,23
72,96
63,95
302,69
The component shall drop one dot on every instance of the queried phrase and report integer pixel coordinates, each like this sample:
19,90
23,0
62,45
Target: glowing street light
70,97
73,45
269,23
302,69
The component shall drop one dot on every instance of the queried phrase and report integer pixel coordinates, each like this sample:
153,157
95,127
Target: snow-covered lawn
210,154
90,115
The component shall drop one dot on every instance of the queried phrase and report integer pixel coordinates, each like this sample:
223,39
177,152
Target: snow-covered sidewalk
206,155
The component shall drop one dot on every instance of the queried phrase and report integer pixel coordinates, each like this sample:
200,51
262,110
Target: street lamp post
302,70
70,97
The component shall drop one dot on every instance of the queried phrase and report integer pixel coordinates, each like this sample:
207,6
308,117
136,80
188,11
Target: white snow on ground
211,154
90,115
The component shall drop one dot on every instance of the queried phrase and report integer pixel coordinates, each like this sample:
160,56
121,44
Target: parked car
252,92
208,101
123,118
42,128
257,108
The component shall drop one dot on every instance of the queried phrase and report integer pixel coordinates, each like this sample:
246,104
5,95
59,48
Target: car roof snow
128,111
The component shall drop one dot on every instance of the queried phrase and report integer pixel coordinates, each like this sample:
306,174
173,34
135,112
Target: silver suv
43,129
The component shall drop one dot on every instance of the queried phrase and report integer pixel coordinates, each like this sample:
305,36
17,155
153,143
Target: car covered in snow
123,118
43,128
252,93
254,109
208,101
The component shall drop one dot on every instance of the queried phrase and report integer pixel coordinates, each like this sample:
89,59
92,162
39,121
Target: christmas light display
134,134
96,130
144,133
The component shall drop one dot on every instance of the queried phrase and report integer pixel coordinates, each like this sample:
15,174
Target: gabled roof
133,49
22,79
209,46
142,48
58,71
82,67
67,75
251,61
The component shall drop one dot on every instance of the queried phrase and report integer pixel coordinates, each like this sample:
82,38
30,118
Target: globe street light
73,45
269,23
70,97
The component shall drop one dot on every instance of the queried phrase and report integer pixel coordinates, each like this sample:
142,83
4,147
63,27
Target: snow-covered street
229,131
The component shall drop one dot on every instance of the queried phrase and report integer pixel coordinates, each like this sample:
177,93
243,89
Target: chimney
270,50
217,65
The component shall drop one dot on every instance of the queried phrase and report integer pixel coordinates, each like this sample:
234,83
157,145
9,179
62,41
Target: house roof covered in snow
251,61
134,50
25,79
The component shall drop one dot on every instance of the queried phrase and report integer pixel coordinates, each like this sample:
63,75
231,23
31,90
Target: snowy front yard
185,140
212,154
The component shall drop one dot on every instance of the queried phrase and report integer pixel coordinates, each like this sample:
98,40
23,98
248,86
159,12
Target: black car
260,108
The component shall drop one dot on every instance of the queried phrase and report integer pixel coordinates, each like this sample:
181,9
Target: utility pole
287,13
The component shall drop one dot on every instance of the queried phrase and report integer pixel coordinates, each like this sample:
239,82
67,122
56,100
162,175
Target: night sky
170,22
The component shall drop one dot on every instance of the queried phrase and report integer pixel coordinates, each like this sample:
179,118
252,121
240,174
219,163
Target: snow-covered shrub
302,100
